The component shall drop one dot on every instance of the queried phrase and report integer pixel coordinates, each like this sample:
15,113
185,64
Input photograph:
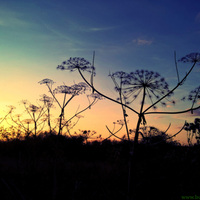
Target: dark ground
64,168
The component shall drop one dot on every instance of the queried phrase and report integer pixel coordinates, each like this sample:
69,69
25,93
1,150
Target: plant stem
180,83
133,151
105,95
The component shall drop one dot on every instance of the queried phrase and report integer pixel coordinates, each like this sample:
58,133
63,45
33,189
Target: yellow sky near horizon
104,113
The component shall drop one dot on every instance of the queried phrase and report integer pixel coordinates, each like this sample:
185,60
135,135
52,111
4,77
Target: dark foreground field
65,168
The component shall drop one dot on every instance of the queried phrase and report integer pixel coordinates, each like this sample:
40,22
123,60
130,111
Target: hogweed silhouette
48,102
193,129
35,113
146,84
72,91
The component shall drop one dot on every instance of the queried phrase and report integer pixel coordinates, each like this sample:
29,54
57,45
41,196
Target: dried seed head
77,63
192,58
133,83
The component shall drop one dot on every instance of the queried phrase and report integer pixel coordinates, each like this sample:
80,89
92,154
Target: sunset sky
36,36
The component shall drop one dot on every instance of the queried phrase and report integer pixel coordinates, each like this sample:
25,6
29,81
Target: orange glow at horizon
103,114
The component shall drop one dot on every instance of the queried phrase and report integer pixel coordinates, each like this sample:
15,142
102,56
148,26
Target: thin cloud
169,106
158,117
12,19
142,42
76,26
198,17
70,39
101,29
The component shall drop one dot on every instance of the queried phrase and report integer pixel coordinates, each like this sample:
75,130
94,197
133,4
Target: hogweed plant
37,119
121,123
72,92
48,102
35,113
10,111
143,84
193,129
25,124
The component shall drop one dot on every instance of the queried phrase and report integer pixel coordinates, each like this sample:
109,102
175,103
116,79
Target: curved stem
141,115
123,110
114,134
170,136
79,112
178,112
180,83
135,144
194,100
53,95
176,66
105,95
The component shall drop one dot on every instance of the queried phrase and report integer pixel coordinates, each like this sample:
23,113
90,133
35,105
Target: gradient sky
36,36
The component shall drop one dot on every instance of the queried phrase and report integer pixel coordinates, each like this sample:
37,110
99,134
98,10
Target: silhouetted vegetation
193,129
53,166
151,89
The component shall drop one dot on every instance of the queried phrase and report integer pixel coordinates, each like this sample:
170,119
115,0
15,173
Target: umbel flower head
123,76
120,74
33,108
120,122
47,100
194,95
75,89
27,121
47,81
77,63
155,86
96,96
192,58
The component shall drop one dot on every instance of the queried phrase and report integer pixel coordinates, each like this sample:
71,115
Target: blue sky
36,36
